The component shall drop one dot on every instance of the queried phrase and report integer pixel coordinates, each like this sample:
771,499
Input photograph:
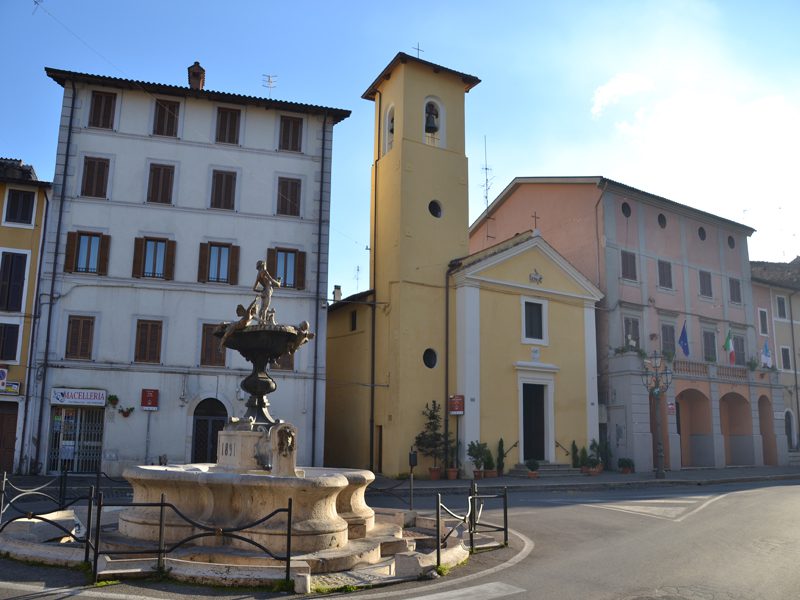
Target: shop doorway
8,435
76,439
210,417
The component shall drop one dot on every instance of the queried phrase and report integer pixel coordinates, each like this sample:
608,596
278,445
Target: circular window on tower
701,233
731,242
429,358
435,208
626,209
662,221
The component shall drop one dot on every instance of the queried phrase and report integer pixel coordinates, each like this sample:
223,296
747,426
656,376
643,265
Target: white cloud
620,86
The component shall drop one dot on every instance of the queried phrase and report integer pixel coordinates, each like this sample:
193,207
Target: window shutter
69,252
102,178
138,257
300,271
169,261
272,261
73,329
87,333
16,282
233,265
154,342
102,260
5,281
202,264
8,341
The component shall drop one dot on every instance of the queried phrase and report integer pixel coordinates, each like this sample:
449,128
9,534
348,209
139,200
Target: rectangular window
628,265
87,252
786,358
159,187
630,327
219,263
762,321
709,346
223,189
353,320
228,125
705,285
165,120
287,261
736,290
288,265
534,321
80,331
101,113
212,354
738,350
668,339
154,253
291,133
148,341
95,177
288,196
781,301
9,338
19,206
665,274
12,280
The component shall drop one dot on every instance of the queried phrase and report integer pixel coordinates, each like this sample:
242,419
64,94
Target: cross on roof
418,49
535,220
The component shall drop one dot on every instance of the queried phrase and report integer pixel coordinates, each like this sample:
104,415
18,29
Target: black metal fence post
97,535
289,541
505,516
438,530
88,535
161,552
62,486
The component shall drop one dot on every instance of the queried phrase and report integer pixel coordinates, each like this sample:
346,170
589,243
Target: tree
430,441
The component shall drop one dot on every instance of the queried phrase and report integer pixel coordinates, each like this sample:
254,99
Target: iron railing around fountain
472,519
163,548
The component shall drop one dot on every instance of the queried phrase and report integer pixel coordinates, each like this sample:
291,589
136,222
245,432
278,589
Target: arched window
389,130
433,125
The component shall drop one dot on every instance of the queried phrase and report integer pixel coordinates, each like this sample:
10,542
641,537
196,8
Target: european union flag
683,341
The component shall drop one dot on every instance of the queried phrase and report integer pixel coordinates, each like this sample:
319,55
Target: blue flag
683,341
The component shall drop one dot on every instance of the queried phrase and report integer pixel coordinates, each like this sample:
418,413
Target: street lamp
656,377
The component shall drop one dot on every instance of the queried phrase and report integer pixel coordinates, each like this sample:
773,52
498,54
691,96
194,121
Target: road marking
667,509
486,591
702,506
71,592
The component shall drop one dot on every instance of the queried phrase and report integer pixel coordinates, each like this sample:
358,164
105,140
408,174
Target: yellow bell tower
419,224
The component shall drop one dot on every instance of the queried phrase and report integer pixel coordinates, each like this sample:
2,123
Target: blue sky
697,101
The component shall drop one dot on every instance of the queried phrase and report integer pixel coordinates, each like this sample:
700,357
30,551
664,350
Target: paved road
730,542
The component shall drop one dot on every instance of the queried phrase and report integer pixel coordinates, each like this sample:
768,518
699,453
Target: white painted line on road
701,507
641,511
71,592
663,501
486,591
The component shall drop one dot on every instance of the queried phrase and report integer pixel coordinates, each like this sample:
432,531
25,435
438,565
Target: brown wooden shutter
169,261
87,333
154,346
300,272
138,257
88,177
102,259
202,264
73,329
69,252
272,261
102,179
233,265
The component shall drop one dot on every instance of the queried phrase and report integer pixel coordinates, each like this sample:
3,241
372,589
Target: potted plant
533,468
625,465
476,452
489,469
452,470
576,460
595,467
125,412
501,455
583,460
113,399
430,441
600,452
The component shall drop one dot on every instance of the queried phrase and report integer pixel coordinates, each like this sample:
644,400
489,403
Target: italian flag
728,347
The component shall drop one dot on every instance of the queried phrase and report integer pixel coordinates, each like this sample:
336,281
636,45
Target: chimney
337,293
197,76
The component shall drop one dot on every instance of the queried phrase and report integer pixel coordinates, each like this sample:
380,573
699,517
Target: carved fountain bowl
263,341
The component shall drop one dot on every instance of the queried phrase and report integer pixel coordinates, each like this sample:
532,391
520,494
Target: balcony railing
690,367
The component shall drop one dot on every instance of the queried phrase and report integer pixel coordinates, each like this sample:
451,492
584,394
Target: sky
696,101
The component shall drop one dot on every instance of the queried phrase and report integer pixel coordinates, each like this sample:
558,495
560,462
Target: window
148,341
101,113
781,302
665,274
662,220
228,125
701,233
709,346
738,350
628,265
762,321
736,290
705,285
630,330
19,206
289,265
389,135
9,339
12,281
159,187
534,321
353,320
291,134
223,189
153,257
212,354
731,242
95,177
80,331
626,210
165,120
219,263
786,358
668,339
87,253
288,196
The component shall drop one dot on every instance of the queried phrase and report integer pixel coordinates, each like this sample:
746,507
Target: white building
165,198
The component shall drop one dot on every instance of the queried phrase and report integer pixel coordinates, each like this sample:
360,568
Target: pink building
663,267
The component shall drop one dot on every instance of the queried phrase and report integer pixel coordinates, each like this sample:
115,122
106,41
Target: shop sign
9,388
149,399
77,397
455,405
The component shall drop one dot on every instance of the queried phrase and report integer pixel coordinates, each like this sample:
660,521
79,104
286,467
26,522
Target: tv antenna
487,181
269,81
358,273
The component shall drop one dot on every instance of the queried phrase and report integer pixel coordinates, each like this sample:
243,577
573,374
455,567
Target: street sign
455,404
149,399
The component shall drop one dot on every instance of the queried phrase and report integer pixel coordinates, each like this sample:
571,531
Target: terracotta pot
584,469
489,473
595,471
435,473
477,474
452,473
627,470
533,474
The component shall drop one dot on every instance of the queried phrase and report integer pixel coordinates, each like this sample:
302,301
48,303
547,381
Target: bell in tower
431,118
